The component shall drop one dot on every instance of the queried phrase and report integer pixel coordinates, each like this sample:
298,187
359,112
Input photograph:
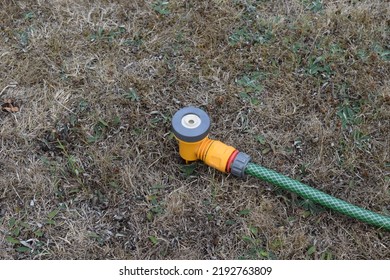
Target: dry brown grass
98,81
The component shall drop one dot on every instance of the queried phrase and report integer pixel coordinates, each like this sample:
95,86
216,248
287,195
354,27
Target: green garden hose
317,196
191,126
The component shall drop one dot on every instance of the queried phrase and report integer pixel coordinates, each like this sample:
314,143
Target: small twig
8,86
66,108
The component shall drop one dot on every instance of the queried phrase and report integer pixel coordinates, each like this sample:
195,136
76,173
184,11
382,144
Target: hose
191,126
317,196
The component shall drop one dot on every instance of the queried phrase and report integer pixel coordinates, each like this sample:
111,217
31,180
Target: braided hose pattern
317,196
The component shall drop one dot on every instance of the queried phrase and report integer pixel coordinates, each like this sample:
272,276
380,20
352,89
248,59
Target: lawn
89,167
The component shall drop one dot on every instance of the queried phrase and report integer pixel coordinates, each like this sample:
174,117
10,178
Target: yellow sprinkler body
212,152
191,127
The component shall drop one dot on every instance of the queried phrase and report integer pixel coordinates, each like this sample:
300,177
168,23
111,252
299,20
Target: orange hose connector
212,152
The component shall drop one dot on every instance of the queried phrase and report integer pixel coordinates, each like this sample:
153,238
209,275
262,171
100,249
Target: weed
349,113
161,7
136,42
261,139
99,130
157,206
15,227
303,169
310,253
251,86
73,165
24,38
335,49
107,35
310,207
251,82
360,139
266,147
319,66
154,240
314,6
29,15
51,216
244,35
96,237
326,255
255,249
362,54
383,53
158,118
83,105
230,222
244,212
276,244
132,95
26,238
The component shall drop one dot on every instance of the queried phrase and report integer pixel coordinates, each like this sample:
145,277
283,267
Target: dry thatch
90,170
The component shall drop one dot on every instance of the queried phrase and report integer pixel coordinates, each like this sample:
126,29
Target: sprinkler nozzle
191,128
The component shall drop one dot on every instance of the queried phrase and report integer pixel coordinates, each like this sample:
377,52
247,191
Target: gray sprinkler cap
239,164
190,124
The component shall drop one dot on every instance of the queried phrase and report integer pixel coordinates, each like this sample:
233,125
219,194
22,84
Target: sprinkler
191,127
